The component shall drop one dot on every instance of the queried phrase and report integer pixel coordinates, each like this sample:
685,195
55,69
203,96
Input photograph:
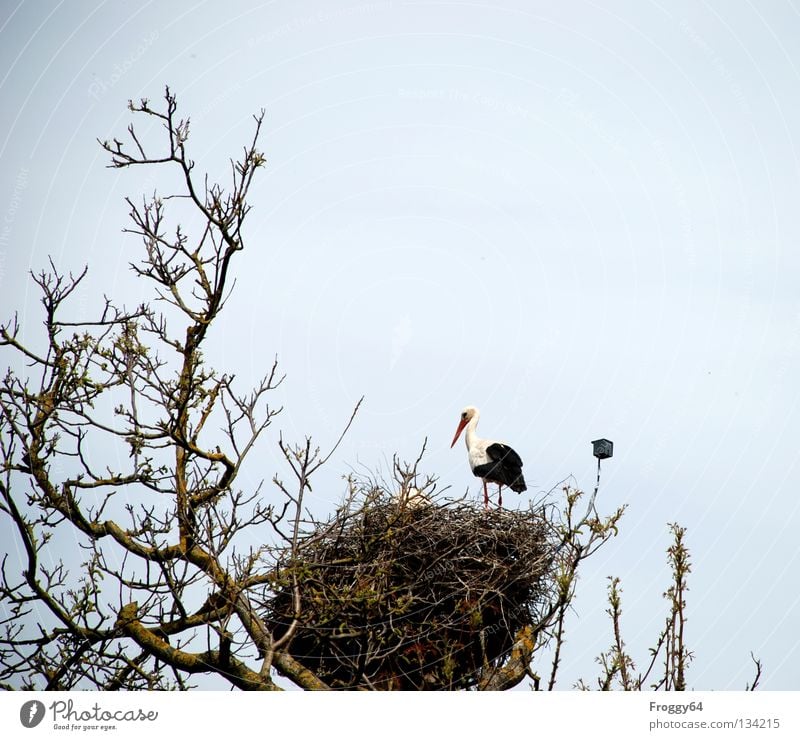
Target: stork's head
469,413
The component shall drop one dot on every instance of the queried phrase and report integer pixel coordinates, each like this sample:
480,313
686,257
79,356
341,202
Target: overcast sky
580,217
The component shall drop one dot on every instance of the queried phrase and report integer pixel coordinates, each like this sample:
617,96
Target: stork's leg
499,496
485,496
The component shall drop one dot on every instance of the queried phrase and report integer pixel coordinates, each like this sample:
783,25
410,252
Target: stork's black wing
505,467
498,452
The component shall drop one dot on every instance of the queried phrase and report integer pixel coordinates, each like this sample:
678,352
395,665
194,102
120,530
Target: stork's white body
476,446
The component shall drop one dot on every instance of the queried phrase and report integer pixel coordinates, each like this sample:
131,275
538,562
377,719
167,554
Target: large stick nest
394,595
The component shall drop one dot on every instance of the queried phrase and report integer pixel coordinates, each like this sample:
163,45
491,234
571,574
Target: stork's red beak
460,429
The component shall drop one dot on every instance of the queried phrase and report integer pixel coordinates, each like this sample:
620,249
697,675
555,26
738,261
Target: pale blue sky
580,217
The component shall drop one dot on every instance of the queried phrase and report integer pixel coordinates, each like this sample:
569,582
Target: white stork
494,462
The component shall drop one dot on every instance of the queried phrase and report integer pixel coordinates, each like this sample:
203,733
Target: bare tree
670,652
578,537
669,658
163,591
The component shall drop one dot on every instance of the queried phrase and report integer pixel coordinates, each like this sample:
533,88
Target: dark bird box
603,448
